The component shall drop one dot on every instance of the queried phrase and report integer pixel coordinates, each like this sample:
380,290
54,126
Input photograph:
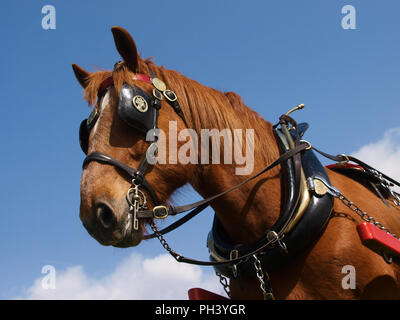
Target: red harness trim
201,294
344,166
378,240
110,81
142,77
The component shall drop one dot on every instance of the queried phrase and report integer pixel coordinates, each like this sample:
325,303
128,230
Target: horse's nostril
105,215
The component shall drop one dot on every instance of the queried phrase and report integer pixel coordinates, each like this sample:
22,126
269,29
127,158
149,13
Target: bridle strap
179,222
131,172
101,157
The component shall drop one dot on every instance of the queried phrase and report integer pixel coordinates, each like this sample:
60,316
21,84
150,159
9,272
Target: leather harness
307,229
301,222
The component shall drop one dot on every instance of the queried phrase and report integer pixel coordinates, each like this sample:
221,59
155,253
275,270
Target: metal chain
350,204
260,275
364,215
224,282
386,185
163,241
268,295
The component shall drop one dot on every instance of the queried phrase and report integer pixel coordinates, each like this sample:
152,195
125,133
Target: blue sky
275,54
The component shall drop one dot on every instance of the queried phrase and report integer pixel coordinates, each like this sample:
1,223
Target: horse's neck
248,211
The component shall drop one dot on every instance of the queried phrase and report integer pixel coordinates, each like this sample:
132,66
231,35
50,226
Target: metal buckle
157,94
166,95
158,209
234,254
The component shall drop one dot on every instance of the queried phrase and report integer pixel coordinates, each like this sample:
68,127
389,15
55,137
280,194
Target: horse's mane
203,107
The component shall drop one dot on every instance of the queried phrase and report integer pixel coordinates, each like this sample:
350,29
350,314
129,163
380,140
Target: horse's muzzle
110,227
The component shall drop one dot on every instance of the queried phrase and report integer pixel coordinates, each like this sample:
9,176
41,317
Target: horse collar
307,228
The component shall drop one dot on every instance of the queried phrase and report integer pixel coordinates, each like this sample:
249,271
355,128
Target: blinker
136,108
84,136
84,129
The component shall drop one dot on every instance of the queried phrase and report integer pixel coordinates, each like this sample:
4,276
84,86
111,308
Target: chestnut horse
246,212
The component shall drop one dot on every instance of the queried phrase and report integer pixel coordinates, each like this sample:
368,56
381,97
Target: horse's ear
126,47
81,75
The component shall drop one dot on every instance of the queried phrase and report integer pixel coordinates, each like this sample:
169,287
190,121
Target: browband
108,82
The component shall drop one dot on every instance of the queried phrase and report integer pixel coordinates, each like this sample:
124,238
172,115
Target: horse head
125,108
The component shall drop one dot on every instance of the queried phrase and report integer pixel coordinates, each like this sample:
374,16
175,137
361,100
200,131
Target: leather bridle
135,197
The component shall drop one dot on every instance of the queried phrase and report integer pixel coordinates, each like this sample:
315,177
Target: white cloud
383,154
134,278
